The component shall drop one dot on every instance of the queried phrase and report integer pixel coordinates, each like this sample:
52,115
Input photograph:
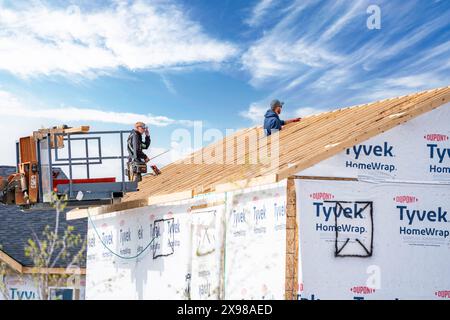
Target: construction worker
137,159
272,119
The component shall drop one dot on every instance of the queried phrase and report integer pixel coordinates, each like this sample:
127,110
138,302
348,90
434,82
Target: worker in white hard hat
137,159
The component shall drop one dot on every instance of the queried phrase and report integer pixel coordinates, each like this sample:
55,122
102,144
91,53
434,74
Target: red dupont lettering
362,290
406,199
321,196
443,294
436,137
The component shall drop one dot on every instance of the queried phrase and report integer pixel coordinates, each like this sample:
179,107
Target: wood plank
54,271
80,129
292,239
11,262
207,205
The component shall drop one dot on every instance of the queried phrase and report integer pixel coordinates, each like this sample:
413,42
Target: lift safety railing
55,160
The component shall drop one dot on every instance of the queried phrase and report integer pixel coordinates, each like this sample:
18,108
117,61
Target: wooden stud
291,276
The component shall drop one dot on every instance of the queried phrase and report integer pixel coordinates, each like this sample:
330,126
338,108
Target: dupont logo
362,290
443,294
406,199
122,223
321,196
104,225
255,199
436,137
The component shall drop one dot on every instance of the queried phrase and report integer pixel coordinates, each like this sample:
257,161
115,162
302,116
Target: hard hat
140,124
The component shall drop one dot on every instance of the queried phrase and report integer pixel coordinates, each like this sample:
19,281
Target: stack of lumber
42,134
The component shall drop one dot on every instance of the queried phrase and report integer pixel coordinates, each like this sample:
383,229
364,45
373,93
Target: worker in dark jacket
136,145
272,121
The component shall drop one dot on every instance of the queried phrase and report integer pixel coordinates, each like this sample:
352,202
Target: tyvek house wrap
256,243
230,251
385,236
410,256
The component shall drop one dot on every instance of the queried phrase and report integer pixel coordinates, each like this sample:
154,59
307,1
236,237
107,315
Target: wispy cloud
307,111
40,39
258,12
254,113
322,55
169,85
10,105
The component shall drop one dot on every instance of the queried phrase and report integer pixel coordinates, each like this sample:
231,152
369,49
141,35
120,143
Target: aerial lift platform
46,165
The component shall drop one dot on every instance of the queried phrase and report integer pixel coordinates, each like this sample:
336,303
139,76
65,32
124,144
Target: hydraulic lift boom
40,175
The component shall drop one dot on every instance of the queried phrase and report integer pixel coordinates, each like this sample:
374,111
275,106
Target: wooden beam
19,268
80,129
207,205
11,262
292,245
128,205
60,271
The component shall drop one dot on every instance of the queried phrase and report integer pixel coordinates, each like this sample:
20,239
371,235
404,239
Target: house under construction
355,207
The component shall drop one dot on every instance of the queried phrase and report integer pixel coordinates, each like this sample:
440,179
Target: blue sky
109,63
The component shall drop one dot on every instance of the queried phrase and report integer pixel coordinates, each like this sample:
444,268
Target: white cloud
135,35
19,120
258,12
270,59
254,113
415,81
10,105
307,111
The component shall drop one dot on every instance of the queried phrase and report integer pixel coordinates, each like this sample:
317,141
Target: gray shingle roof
16,227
